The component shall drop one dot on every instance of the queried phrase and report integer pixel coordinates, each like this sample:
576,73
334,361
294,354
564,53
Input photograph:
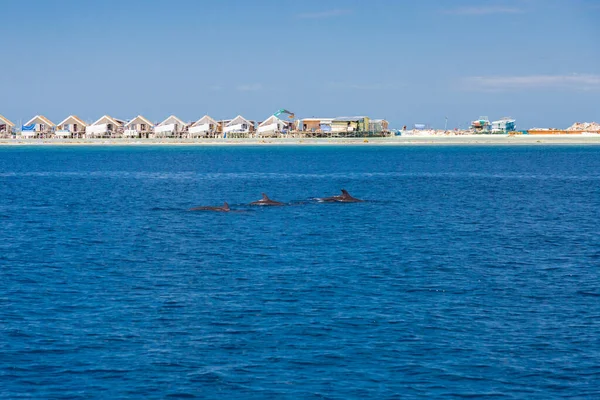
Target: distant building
139,127
481,125
273,126
38,126
504,125
6,126
171,127
314,125
70,127
350,124
105,127
238,127
205,127
378,126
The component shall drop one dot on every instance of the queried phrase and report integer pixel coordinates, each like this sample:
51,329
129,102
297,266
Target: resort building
71,127
205,127
350,124
139,127
171,127
105,127
273,126
504,125
38,127
238,127
6,127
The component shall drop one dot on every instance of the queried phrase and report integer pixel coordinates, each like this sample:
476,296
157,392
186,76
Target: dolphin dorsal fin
225,206
345,192
265,197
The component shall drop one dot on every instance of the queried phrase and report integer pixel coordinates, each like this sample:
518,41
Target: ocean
468,272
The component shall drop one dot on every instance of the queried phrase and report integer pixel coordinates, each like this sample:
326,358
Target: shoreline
384,141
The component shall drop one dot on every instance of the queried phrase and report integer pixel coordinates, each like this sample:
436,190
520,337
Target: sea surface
468,272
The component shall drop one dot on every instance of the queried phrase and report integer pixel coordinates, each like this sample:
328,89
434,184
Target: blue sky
407,61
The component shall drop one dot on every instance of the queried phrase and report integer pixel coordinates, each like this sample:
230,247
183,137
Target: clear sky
407,61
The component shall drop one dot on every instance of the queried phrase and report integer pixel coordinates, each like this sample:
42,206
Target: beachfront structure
379,126
38,126
170,127
272,126
481,125
105,127
504,125
238,127
71,127
350,124
6,127
139,127
205,127
314,126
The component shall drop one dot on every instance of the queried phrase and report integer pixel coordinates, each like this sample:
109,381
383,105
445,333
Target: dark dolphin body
224,208
345,197
266,201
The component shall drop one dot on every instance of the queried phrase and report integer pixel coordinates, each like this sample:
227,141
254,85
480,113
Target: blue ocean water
469,272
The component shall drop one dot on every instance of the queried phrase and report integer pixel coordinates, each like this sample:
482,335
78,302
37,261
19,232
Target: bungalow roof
140,118
41,118
172,118
6,121
271,120
109,119
238,120
205,120
74,118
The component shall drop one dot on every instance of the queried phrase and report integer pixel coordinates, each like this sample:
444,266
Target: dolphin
345,197
224,208
266,201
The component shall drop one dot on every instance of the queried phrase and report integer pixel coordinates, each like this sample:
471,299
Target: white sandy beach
387,141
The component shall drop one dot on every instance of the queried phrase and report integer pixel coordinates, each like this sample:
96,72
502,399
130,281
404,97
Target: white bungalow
6,127
238,127
204,127
105,127
272,126
139,127
38,126
170,127
72,126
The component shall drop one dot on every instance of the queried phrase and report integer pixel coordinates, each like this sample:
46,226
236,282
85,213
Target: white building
170,127
70,127
38,126
204,127
105,127
238,127
504,125
139,127
272,126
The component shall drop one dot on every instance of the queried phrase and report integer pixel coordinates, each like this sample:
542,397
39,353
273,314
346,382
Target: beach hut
139,127
37,127
71,127
6,127
238,127
171,127
105,127
205,127
272,126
